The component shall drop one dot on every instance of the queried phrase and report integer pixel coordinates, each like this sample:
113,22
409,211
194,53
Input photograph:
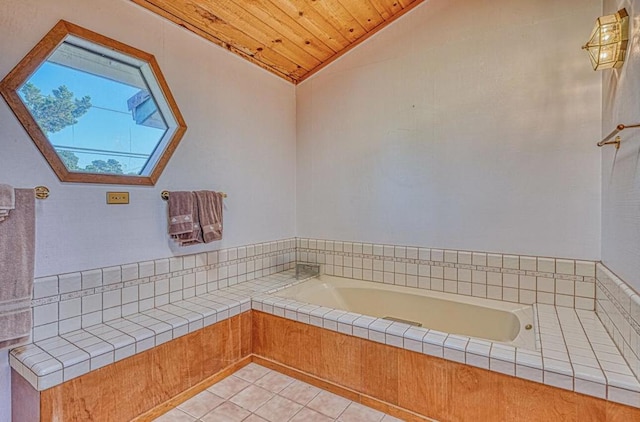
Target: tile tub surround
575,352
574,343
68,302
434,387
618,306
54,360
512,278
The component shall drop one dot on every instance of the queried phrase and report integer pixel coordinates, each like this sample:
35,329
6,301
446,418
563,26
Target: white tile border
512,278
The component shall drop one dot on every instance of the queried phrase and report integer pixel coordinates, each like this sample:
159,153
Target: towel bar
617,139
165,195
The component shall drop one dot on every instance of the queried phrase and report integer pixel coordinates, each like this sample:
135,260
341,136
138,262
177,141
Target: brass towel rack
165,195
616,141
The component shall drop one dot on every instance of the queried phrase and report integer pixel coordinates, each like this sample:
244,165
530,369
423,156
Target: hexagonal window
99,111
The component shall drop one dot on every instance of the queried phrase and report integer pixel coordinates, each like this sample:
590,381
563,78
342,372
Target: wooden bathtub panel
171,378
422,385
370,373
308,348
220,346
588,410
197,368
341,359
272,343
618,413
273,340
437,388
528,402
471,391
308,358
128,388
380,371
94,396
246,338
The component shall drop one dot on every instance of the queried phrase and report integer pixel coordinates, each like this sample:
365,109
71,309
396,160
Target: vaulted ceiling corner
291,38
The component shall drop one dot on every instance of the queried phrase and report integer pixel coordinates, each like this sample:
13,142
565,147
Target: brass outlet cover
117,197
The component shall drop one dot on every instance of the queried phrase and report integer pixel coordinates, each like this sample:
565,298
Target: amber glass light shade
608,42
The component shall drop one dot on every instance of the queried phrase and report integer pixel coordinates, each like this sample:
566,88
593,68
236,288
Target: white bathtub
492,320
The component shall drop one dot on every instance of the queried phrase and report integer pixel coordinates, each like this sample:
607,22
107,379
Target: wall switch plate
117,197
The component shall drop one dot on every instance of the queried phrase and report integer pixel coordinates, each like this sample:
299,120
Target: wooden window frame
10,85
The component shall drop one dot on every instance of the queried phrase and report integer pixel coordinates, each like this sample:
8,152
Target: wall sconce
608,42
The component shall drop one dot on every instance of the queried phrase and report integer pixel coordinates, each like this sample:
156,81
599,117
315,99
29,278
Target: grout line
604,373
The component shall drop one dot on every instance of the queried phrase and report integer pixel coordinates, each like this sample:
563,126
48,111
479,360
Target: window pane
97,111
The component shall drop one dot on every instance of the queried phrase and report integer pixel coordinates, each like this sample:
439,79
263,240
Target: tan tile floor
257,394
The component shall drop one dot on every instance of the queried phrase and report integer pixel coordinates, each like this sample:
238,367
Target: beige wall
240,139
621,169
465,125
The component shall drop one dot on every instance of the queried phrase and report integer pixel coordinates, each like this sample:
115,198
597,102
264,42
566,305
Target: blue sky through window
107,126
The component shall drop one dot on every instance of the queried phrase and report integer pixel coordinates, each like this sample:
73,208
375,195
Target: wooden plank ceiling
291,38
